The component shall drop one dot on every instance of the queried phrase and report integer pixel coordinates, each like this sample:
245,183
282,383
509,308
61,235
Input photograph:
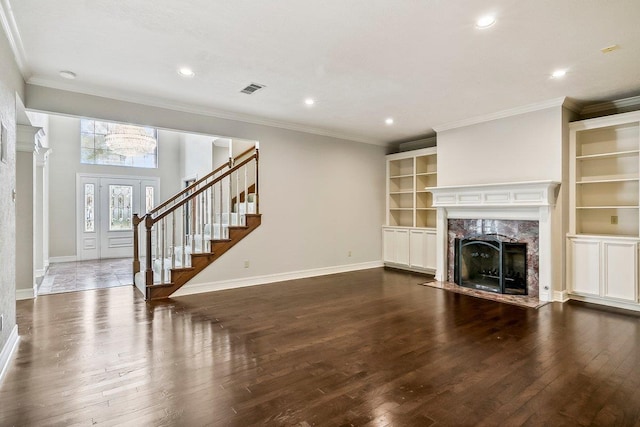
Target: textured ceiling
422,62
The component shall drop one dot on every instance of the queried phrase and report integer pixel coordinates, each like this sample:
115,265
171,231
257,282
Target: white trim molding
557,102
22,294
532,200
9,349
15,40
198,288
57,259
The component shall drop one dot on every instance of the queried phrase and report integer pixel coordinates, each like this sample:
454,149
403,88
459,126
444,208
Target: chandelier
130,141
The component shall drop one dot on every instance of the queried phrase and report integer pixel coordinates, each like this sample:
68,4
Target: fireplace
491,262
522,210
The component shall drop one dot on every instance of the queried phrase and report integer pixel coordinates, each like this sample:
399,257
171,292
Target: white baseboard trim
8,351
561,296
24,294
198,288
608,302
55,259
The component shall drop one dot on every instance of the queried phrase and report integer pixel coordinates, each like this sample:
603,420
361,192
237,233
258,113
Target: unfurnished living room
319,213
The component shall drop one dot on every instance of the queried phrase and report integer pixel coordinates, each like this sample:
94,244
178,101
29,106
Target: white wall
64,164
526,147
320,197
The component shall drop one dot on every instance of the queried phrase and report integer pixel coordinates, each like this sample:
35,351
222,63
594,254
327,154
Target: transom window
115,144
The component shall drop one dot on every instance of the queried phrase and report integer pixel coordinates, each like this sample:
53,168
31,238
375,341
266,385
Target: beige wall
11,84
25,177
526,147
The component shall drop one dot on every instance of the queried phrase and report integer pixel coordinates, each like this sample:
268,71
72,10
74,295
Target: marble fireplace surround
519,201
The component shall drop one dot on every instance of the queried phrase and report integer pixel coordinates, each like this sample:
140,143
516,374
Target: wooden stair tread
200,261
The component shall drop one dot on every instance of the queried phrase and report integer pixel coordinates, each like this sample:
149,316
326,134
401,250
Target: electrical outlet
246,264
349,254
614,219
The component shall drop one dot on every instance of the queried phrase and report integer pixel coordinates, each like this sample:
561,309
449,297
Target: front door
105,213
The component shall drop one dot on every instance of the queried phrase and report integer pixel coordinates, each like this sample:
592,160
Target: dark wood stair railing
211,223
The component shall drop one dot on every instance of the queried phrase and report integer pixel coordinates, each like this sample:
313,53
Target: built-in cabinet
604,218
409,236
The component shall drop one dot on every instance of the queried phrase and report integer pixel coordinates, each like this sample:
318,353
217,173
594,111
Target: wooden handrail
185,191
202,190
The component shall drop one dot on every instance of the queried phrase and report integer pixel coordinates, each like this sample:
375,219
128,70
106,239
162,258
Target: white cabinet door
396,246
402,247
585,267
620,270
388,245
417,248
422,249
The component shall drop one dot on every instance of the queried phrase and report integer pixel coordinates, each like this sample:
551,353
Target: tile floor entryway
85,275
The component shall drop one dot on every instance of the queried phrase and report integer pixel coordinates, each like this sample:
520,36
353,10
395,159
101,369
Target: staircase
182,236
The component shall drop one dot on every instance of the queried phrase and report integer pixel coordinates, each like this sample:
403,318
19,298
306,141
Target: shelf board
607,207
401,176
611,154
426,173
427,209
401,192
400,209
603,181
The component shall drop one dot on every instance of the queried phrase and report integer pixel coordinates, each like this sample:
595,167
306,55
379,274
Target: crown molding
611,106
192,109
557,102
15,40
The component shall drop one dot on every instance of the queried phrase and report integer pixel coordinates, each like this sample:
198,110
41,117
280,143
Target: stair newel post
202,221
257,201
136,249
222,235
211,213
246,188
173,239
163,243
148,223
192,226
184,235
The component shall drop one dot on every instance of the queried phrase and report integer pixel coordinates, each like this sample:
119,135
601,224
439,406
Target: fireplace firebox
491,262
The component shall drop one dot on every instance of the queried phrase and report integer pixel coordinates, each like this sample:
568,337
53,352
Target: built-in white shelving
409,233
604,215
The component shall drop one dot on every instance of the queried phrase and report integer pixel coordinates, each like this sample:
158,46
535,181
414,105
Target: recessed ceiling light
389,121
186,72
557,74
68,74
309,101
485,21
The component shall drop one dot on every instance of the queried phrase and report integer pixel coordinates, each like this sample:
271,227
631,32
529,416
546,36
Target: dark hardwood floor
365,348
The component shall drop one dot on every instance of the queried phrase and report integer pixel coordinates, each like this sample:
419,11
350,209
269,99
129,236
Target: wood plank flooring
369,348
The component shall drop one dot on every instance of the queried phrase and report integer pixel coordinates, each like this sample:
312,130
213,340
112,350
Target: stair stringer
200,261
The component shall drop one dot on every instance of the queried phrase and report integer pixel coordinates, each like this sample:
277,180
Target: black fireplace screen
491,263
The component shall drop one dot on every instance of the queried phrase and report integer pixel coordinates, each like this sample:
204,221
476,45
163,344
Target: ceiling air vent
253,87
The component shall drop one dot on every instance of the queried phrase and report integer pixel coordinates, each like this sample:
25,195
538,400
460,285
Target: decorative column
41,231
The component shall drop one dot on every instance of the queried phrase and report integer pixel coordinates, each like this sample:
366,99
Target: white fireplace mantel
531,200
